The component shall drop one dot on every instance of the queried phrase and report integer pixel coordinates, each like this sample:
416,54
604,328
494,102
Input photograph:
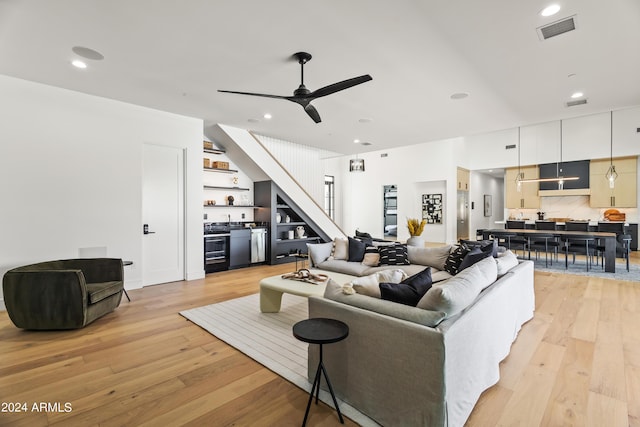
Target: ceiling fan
304,96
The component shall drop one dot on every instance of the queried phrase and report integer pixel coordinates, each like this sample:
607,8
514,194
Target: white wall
482,184
413,169
71,176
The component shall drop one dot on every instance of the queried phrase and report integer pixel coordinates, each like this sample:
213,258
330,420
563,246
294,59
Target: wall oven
216,252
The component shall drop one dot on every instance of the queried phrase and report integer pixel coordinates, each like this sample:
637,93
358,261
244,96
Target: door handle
145,229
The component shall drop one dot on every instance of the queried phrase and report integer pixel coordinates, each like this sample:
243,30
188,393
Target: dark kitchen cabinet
240,248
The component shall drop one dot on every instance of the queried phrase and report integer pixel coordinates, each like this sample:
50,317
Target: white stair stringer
258,163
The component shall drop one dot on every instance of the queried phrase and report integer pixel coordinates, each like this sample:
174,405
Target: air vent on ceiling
577,102
364,143
556,28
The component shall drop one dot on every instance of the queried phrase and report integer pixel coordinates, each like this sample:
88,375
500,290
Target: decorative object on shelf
488,205
230,200
209,202
220,165
300,231
278,217
291,235
206,163
287,218
415,226
208,145
432,208
234,180
356,165
611,174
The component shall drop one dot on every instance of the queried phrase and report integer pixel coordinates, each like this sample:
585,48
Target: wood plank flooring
577,363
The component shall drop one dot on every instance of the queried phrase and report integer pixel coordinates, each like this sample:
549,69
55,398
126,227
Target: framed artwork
488,208
432,208
356,165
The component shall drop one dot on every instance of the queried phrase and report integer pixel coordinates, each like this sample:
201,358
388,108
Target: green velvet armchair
64,294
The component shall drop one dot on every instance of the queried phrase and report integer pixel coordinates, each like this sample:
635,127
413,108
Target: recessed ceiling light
356,141
87,53
577,95
79,64
459,95
267,116
550,10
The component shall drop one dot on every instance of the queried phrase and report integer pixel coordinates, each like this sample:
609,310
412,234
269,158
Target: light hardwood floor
577,363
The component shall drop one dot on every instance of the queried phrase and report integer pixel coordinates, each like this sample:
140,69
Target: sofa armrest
45,299
97,270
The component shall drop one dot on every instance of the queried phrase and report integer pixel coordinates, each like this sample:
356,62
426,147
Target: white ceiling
173,55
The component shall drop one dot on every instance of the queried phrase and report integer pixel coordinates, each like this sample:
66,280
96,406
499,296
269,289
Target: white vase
415,241
278,217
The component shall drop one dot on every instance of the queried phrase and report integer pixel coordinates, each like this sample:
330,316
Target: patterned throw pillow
395,254
452,264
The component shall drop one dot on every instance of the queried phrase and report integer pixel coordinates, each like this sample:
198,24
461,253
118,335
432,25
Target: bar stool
543,241
576,245
506,237
625,239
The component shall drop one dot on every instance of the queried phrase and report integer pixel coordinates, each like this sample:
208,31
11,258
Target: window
329,196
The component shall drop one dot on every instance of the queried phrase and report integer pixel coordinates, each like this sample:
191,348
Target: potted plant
416,227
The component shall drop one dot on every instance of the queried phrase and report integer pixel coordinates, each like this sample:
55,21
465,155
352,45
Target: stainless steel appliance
216,248
258,245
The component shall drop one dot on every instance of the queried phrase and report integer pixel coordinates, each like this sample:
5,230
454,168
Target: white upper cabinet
540,143
586,137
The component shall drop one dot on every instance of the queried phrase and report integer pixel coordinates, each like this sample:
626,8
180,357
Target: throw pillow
455,258
410,290
319,252
368,285
485,245
356,250
371,256
393,254
475,255
455,294
340,249
505,262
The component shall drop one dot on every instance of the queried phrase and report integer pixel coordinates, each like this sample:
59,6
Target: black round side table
320,331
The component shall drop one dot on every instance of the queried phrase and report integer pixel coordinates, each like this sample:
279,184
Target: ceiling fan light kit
303,96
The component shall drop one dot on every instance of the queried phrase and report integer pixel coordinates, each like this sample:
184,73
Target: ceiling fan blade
313,113
336,87
264,95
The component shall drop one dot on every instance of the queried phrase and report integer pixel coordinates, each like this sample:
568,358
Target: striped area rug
267,338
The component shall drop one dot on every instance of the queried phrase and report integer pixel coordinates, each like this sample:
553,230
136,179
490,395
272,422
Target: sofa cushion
475,255
371,256
356,250
99,291
344,266
455,294
393,254
334,291
340,249
452,264
410,290
369,285
319,252
505,262
433,257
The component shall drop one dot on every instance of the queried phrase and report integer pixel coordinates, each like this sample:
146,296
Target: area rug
580,269
268,339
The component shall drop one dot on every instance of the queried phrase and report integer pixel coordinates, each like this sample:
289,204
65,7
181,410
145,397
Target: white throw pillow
455,294
319,252
505,262
340,248
368,285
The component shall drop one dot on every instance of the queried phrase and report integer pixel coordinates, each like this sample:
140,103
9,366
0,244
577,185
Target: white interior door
163,214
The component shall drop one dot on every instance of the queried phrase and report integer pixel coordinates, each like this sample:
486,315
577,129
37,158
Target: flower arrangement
415,226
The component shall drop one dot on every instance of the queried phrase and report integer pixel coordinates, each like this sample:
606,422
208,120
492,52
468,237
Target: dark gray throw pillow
410,290
356,250
485,245
475,255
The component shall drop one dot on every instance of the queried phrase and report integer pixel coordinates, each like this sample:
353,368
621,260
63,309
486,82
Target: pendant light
611,174
519,176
